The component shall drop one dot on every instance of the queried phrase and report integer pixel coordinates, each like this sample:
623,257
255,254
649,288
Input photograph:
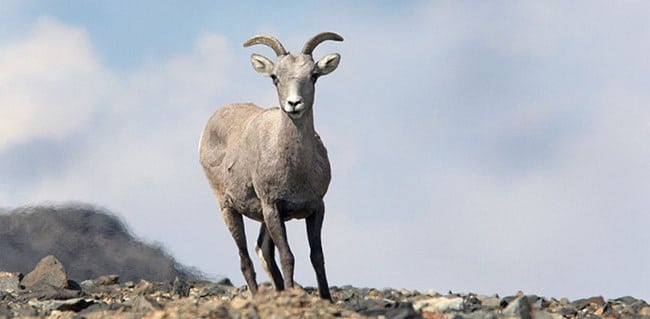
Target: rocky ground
46,292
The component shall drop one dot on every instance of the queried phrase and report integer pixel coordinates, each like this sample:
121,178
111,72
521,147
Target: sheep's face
294,77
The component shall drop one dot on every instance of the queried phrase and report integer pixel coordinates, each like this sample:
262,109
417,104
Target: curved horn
269,41
317,39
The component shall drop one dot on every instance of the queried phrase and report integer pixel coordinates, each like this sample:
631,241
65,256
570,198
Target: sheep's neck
300,128
291,165
296,139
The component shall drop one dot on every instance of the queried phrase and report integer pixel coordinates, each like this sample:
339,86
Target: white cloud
9,7
51,83
140,158
525,132
148,133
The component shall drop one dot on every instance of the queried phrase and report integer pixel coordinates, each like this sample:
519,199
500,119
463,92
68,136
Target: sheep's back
223,133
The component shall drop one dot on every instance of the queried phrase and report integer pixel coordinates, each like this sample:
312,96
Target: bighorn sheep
270,164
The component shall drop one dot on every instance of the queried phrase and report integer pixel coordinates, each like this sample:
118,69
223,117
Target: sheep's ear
262,65
328,63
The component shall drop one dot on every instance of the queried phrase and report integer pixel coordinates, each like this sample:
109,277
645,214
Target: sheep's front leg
314,225
235,223
278,233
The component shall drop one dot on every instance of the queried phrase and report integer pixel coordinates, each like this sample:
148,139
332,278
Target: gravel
106,297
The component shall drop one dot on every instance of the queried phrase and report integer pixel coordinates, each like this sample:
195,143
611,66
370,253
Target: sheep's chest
293,177
295,170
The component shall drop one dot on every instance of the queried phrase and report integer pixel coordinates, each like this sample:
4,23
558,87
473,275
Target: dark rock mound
90,241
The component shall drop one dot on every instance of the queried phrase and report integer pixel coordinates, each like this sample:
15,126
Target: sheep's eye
275,79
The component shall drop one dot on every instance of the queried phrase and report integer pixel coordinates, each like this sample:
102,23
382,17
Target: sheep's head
294,75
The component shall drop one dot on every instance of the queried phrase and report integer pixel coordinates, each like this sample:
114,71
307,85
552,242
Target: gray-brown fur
270,164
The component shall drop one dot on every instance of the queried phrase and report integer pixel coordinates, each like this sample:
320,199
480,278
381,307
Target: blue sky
475,147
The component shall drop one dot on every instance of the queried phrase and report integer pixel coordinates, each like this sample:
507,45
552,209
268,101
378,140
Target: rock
596,302
398,310
627,306
87,284
546,315
49,272
439,304
143,287
51,293
645,311
205,289
567,311
471,303
225,282
211,309
76,304
537,302
106,280
481,314
146,287
143,304
5,313
239,303
518,308
25,313
505,301
627,300
58,314
362,305
492,302
73,285
9,281
180,288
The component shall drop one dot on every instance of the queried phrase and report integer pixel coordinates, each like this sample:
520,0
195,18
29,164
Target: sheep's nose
295,102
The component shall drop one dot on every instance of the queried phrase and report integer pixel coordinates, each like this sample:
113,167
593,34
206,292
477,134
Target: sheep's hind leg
314,224
266,251
278,233
235,223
